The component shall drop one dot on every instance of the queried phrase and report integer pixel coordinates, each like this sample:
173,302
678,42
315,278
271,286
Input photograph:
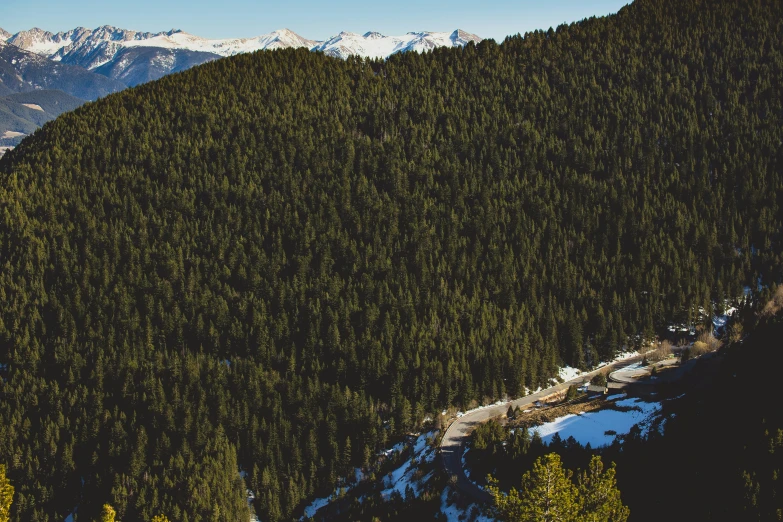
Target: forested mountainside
276,262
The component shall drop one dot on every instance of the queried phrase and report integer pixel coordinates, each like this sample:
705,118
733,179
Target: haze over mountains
91,63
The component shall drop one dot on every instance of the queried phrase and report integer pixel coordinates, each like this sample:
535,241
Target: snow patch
596,427
498,403
719,321
397,480
403,477
568,373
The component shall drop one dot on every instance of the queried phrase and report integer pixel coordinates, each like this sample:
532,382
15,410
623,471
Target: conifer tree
547,494
6,495
599,497
107,513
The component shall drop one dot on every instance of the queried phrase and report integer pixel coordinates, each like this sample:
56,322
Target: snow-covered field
592,427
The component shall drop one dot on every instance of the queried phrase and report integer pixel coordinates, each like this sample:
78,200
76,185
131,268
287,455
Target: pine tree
6,495
599,497
548,495
108,513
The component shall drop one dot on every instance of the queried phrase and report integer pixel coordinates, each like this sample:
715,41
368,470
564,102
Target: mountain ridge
22,71
93,48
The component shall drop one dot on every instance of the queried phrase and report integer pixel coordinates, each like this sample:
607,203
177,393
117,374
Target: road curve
453,443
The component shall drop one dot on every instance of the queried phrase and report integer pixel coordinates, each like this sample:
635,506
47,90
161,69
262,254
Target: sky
314,19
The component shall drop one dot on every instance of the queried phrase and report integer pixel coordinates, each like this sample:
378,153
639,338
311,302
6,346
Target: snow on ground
719,321
397,480
401,478
394,449
592,427
224,47
682,328
318,503
343,45
12,134
630,368
455,514
376,45
567,373
463,461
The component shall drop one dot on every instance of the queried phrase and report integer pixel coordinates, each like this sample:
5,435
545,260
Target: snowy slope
376,45
282,39
134,57
93,48
88,48
22,71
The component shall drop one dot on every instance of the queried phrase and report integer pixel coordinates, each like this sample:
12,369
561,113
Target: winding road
452,446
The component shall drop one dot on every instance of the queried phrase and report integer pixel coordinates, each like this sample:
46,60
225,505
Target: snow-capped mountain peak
4,35
92,48
460,37
376,45
136,57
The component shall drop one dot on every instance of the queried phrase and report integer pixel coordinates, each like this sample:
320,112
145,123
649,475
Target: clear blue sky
315,19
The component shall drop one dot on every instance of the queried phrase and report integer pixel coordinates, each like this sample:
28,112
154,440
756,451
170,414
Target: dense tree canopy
274,262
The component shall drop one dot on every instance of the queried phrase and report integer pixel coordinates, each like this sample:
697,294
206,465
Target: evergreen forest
279,263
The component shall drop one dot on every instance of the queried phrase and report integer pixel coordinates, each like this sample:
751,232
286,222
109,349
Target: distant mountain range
115,52
90,63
